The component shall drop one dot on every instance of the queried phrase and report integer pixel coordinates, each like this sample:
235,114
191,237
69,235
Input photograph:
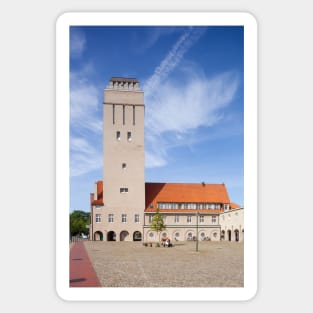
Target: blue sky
192,78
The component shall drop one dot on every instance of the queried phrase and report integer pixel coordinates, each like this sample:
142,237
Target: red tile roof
99,200
184,193
178,193
234,205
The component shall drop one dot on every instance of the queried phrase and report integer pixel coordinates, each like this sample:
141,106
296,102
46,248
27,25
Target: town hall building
123,204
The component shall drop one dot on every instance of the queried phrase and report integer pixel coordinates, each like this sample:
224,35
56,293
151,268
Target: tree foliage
78,222
157,223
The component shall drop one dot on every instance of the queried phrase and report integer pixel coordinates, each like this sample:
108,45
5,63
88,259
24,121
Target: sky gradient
192,78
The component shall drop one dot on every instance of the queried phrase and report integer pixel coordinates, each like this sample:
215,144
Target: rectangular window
213,219
123,190
201,218
111,218
176,219
136,218
124,218
129,136
150,218
189,219
123,165
113,108
98,218
118,135
134,117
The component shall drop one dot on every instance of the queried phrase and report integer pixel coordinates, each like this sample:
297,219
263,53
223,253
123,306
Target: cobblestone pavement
131,264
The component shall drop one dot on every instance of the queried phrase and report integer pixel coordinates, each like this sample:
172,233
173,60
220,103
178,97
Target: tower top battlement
123,83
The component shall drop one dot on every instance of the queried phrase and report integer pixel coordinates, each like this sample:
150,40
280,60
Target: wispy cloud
77,43
85,103
178,110
85,123
85,157
173,58
147,37
174,108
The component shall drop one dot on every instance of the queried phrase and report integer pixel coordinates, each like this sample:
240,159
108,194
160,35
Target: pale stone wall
123,231
123,159
182,229
232,224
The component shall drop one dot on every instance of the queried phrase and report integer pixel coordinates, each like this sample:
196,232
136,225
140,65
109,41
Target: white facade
232,225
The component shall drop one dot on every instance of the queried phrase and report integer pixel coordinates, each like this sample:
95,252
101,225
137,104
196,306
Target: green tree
78,222
157,223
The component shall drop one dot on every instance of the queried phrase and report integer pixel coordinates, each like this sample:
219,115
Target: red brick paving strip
82,273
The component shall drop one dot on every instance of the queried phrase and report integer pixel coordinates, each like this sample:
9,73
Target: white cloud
84,156
85,122
148,37
77,43
173,58
176,111
85,102
179,108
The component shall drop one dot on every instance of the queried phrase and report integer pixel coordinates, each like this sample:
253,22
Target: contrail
172,59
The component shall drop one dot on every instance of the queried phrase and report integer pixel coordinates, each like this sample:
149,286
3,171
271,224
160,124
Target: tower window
123,190
123,114
134,117
123,165
118,135
113,108
129,136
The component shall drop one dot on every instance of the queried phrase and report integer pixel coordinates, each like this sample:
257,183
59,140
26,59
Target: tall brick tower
123,160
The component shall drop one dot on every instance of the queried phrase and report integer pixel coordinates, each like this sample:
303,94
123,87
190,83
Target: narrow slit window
118,135
129,136
113,109
134,116
123,114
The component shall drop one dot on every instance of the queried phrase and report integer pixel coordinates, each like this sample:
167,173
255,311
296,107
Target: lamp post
197,239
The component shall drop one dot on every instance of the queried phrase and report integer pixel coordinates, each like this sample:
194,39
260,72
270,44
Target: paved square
130,264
